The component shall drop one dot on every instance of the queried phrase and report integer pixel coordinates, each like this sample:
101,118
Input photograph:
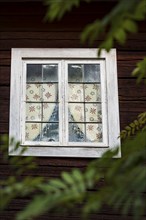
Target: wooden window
64,102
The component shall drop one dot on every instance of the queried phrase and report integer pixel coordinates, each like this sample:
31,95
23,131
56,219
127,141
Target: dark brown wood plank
10,215
54,35
130,90
25,8
4,75
66,43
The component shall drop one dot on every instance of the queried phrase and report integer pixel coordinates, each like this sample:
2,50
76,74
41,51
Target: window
64,102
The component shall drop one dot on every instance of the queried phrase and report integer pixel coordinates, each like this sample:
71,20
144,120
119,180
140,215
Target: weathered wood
11,9
129,90
69,43
10,215
21,203
53,35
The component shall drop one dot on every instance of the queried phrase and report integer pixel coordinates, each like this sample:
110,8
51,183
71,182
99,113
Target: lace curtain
84,103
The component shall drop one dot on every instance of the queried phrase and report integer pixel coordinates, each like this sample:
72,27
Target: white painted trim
110,102
14,127
63,152
113,102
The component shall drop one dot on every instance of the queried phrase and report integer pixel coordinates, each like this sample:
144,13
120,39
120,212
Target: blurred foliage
123,189
115,26
125,181
17,183
58,8
125,178
140,71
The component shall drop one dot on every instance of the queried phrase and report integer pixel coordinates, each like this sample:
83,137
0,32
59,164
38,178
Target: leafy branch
121,21
16,185
140,71
75,188
57,8
116,25
134,126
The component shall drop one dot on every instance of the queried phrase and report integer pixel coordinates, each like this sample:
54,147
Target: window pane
50,132
91,73
34,72
33,93
76,132
50,112
75,73
92,92
93,112
50,73
41,98
32,131
76,112
93,132
85,93
50,92
76,93
33,112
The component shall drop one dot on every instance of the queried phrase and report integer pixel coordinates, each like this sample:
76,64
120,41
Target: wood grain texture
22,25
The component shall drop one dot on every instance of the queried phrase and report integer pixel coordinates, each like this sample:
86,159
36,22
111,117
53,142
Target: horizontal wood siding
22,25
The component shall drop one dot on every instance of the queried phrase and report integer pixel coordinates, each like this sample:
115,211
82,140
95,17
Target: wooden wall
22,26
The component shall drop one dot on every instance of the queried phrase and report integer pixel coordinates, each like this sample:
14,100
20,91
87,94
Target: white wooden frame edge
19,54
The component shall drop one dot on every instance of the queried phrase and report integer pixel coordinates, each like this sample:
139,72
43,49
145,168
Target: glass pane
76,132
50,132
75,73
76,93
76,112
91,73
50,73
32,131
93,112
33,92
50,92
34,72
50,112
92,92
33,112
94,132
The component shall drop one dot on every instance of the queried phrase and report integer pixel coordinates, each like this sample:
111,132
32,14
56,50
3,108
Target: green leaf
79,178
35,208
120,36
58,183
140,70
130,26
67,178
57,9
91,32
107,45
128,128
140,11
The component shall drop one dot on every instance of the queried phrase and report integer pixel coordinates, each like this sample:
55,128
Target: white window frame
109,90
